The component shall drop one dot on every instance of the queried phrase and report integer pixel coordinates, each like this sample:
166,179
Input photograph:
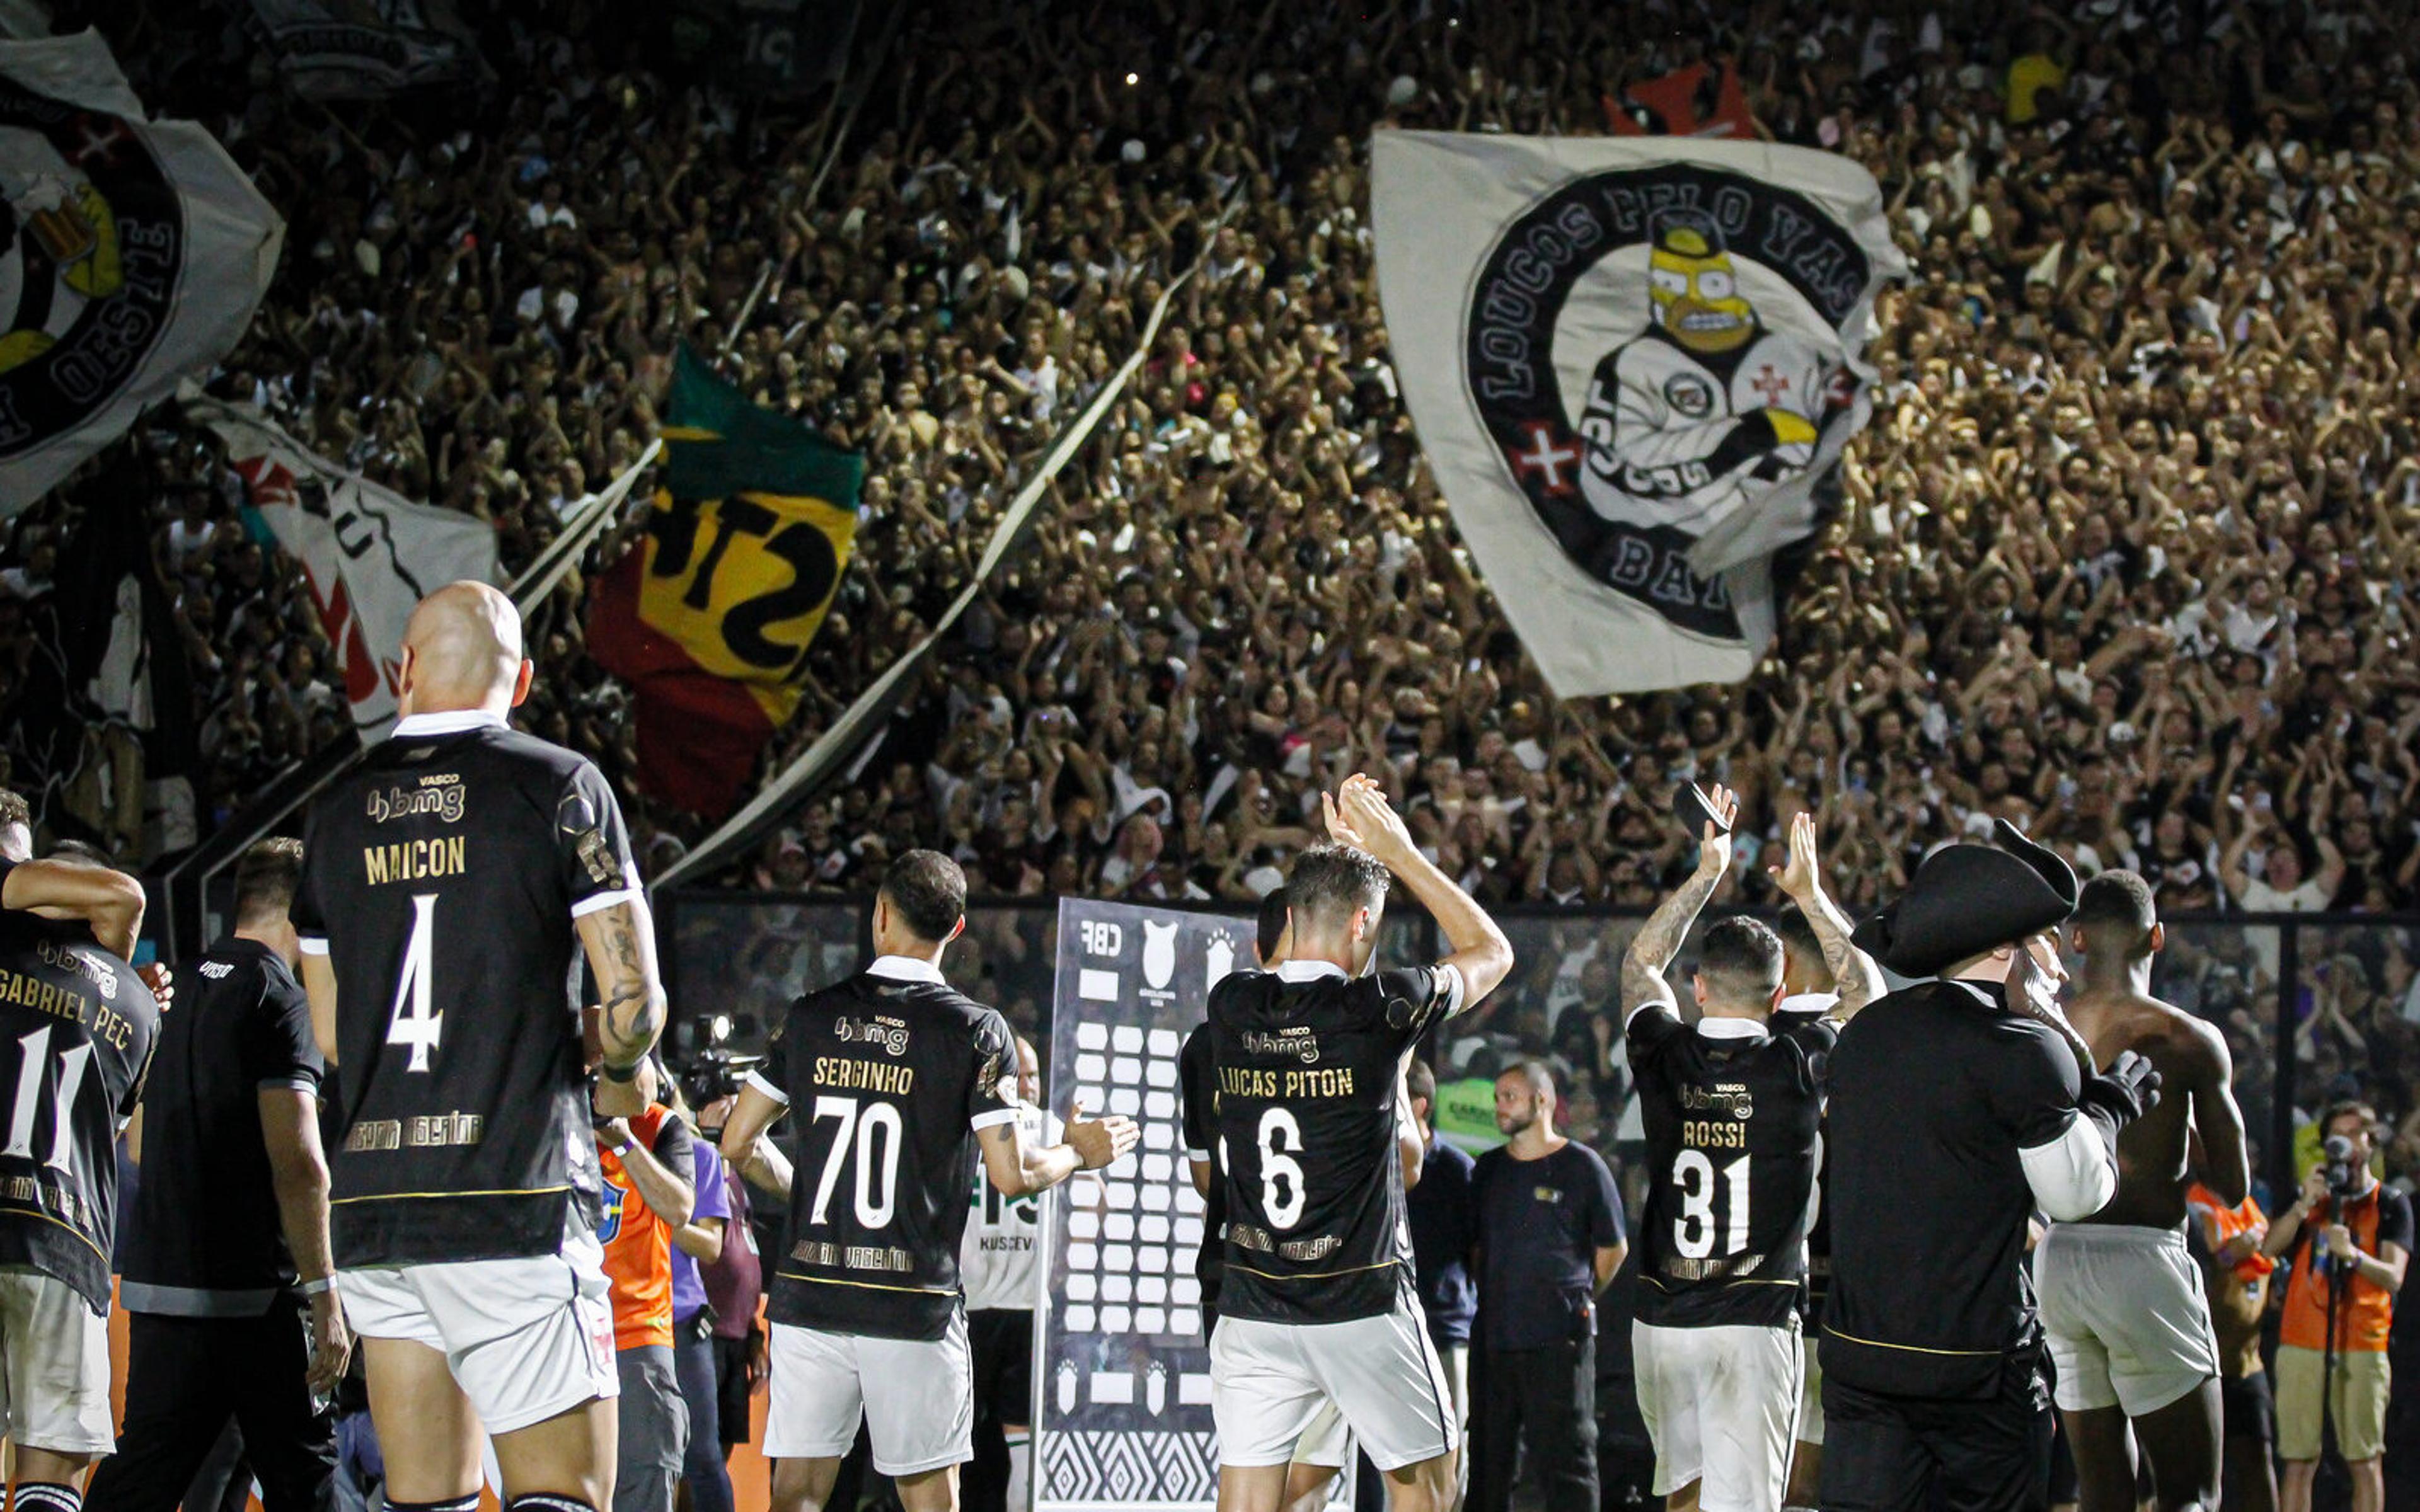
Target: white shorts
2128,1320
54,1367
1269,1380
1810,1396
1328,1444
527,1338
1718,1404
916,1397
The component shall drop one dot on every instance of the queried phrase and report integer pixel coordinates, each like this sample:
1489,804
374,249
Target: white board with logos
1122,1370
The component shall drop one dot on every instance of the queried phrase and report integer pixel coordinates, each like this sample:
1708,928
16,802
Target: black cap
1968,901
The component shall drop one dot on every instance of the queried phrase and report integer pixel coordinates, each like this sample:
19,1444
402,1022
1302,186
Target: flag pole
842,735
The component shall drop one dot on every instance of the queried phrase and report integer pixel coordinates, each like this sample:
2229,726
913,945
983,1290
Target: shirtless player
2122,1300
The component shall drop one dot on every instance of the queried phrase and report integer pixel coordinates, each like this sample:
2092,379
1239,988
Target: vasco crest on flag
1632,363
132,252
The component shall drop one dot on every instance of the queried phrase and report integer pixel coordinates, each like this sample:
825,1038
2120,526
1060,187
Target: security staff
1959,1106
229,1246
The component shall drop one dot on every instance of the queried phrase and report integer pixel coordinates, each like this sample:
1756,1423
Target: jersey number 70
874,1206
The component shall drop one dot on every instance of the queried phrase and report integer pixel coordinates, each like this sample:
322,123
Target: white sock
1020,1469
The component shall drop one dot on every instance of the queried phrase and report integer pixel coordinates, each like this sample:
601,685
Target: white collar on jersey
1807,1003
903,968
452,723
1307,970
1723,1028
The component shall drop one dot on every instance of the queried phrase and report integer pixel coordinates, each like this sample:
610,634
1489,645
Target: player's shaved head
463,649
2116,914
1028,1071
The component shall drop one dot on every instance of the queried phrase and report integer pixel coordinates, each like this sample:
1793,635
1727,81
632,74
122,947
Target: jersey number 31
1694,1231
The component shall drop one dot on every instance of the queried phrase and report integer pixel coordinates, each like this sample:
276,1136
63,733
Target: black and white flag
131,252
1633,363
368,49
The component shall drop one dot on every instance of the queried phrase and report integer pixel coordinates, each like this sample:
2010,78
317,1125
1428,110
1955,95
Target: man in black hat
1959,1106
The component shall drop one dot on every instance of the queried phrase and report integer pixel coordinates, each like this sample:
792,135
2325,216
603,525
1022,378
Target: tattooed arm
620,940
1854,976
1658,940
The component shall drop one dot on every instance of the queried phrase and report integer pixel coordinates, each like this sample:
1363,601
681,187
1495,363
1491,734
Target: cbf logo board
1121,1371
1633,363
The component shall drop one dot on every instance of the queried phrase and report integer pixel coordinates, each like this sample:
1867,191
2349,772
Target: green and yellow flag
710,620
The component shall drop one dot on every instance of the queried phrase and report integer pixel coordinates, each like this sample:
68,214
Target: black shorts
2250,1409
1881,1454
1002,1340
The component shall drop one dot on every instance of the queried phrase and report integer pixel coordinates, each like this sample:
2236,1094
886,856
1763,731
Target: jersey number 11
35,1049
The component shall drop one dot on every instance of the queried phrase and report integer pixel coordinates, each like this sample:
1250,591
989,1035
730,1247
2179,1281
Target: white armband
2073,1176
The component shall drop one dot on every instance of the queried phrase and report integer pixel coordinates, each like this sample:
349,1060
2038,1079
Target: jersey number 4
414,1023
857,1132
36,1047
1694,1231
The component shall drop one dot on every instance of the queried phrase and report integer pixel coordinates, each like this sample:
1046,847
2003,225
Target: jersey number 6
1280,1140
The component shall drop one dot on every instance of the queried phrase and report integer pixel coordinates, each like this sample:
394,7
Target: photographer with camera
2351,1239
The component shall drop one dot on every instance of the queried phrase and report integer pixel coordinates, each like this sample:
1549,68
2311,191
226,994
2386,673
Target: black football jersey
1819,1243
77,1031
441,878
887,1076
1819,1230
1197,1087
1306,1062
207,1240
1733,1137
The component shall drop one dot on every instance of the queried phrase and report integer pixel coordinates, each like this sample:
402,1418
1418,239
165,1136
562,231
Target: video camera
2345,1176
2345,1179
716,1072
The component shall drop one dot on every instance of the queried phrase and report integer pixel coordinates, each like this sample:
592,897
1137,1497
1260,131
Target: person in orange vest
2350,1239
2229,1239
650,1190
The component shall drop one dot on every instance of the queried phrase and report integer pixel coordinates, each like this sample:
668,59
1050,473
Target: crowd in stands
2127,554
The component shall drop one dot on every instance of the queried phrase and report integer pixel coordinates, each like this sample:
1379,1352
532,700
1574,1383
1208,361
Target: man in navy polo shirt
1550,1237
